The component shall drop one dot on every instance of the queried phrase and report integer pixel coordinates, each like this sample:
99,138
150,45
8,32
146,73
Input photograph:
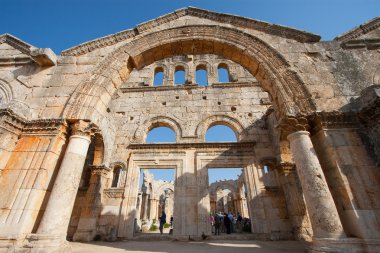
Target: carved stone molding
335,119
18,125
11,121
45,127
83,128
100,170
114,193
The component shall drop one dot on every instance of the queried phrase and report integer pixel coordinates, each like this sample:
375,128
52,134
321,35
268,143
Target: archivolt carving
160,121
225,120
6,94
289,93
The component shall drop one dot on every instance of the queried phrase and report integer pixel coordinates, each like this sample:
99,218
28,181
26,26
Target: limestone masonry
305,112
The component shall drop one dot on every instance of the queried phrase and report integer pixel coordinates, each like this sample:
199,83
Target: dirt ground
212,246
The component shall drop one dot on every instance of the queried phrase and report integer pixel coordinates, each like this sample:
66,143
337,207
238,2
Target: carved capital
100,170
291,124
83,128
286,168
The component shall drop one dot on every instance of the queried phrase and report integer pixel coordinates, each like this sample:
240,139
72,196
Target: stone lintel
44,56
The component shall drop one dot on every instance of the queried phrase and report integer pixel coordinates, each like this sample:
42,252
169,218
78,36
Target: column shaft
58,211
320,204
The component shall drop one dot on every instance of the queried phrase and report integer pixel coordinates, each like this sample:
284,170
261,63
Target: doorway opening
155,201
228,200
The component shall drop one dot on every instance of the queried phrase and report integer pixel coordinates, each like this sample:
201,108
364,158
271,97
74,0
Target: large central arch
290,95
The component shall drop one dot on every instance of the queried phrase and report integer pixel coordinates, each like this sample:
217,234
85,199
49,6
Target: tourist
218,222
227,223
171,222
212,221
162,221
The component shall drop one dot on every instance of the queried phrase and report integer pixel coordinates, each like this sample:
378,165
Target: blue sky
61,24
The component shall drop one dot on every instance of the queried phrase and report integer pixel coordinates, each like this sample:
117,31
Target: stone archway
290,95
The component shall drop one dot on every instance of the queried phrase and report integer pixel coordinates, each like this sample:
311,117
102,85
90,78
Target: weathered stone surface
282,84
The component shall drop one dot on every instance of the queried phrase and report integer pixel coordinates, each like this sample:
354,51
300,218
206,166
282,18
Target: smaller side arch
160,121
225,120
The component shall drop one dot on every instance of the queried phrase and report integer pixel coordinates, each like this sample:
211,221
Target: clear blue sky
61,24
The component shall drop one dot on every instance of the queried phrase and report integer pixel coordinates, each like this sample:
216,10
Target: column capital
286,168
100,170
83,128
291,124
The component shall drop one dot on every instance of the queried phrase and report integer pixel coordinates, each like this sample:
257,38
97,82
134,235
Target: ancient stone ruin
305,113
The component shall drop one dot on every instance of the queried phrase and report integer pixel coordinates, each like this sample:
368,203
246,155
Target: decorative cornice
42,56
359,30
370,44
20,125
238,21
45,127
180,146
114,193
11,121
15,42
335,119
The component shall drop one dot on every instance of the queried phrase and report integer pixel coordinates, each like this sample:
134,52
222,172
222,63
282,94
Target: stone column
145,206
55,221
320,204
86,230
295,203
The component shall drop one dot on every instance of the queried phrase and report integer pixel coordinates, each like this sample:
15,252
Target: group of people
226,222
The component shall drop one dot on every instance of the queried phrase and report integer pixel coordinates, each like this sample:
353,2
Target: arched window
158,76
116,177
223,73
179,75
161,135
201,75
220,133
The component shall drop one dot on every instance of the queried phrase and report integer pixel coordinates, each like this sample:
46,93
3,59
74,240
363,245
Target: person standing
212,221
227,223
162,221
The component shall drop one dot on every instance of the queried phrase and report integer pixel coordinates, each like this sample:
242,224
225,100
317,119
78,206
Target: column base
83,236
42,243
342,245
